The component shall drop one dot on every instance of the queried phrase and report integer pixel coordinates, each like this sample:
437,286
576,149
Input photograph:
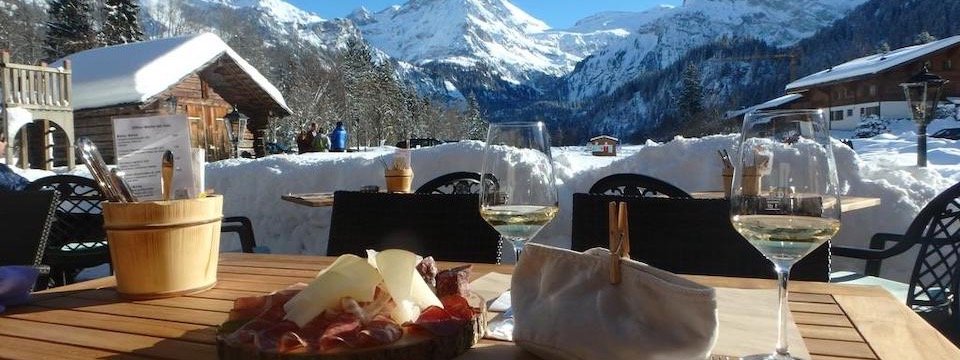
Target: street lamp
923,93
234,118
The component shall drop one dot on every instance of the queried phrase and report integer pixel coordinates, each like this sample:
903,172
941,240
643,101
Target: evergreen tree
923,38
476,126
69,28
122,24
690,100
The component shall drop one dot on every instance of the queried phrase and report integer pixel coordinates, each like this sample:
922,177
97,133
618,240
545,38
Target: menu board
140,144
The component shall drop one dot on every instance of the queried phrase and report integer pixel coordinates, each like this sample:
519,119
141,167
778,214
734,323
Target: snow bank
253,187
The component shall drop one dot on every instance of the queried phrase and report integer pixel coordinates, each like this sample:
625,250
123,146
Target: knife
166,175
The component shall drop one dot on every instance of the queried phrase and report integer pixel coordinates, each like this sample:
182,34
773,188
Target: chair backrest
25,217
461,182
447,227
637,185
689,236
935,280
79,218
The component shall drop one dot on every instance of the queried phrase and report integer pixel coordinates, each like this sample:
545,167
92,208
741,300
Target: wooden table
847,203
87,320
322,199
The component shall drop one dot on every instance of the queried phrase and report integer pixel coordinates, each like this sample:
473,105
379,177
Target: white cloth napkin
566,308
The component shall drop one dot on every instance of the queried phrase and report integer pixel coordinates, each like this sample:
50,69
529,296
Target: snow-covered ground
883,166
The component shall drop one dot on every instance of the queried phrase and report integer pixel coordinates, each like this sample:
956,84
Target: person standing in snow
338,138
9,180
321,143
305,139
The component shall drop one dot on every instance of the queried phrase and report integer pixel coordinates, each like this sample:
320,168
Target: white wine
785,238
518,221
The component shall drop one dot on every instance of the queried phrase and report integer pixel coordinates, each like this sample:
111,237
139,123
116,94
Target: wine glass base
770,357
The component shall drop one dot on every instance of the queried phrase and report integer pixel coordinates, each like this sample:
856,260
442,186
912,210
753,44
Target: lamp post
923,93
234,118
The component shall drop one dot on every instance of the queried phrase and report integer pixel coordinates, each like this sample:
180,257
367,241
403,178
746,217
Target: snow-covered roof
135,72
873,64
766,105
608,137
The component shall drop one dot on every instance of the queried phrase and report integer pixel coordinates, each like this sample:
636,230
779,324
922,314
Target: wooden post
258,126
24,145
47,145
5,80
68,87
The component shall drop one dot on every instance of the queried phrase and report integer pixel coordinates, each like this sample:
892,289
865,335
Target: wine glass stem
517,243
783,276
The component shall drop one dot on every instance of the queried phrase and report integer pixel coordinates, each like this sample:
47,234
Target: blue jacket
11,181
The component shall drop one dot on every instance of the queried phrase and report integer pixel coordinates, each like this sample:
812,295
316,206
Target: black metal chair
445,226
26,218
935,281
461,182
244,229
77,239
689,236
637,185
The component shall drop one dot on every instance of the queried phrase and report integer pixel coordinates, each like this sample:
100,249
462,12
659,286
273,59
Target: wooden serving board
414,345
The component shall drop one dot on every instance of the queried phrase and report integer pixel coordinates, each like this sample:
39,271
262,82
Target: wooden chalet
197,75
604,145
870,85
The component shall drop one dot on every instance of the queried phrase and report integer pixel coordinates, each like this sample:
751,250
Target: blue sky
557,13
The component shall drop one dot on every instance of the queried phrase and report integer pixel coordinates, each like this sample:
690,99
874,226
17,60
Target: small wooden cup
398,180
727,181
751,181
164,248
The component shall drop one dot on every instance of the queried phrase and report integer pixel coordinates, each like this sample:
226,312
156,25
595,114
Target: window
870,111
873,90
849,112
948,64
836,115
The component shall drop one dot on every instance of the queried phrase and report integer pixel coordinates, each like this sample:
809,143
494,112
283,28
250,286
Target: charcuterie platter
392,305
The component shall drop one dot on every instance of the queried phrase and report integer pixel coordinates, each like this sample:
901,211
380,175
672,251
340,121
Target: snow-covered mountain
511,42
277,20
664,34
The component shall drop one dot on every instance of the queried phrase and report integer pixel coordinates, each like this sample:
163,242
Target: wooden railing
34,87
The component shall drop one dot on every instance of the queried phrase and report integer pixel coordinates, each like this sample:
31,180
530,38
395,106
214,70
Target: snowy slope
664,34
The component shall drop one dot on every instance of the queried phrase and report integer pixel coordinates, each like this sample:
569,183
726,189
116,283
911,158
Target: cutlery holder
164,248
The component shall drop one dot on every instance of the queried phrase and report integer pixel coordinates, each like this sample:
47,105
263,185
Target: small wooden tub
164,248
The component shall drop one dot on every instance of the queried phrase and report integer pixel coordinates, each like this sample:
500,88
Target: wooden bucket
164,248
398,180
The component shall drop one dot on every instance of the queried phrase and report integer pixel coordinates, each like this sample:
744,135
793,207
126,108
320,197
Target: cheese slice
410,293
349,275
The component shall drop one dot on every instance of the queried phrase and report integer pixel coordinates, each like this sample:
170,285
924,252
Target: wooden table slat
815,308
15,348
840,348
106,340
200,317
140,326
829,332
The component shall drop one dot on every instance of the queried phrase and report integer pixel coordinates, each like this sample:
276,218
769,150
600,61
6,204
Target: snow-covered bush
871,126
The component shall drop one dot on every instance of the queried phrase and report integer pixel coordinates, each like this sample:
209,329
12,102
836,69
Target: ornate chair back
637,185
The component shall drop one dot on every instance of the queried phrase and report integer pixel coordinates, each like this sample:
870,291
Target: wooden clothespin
619,238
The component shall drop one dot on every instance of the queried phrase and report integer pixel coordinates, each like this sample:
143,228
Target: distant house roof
788,98
136,72
872,64
608,137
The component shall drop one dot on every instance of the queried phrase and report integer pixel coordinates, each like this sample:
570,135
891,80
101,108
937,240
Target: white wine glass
785,198
518,196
